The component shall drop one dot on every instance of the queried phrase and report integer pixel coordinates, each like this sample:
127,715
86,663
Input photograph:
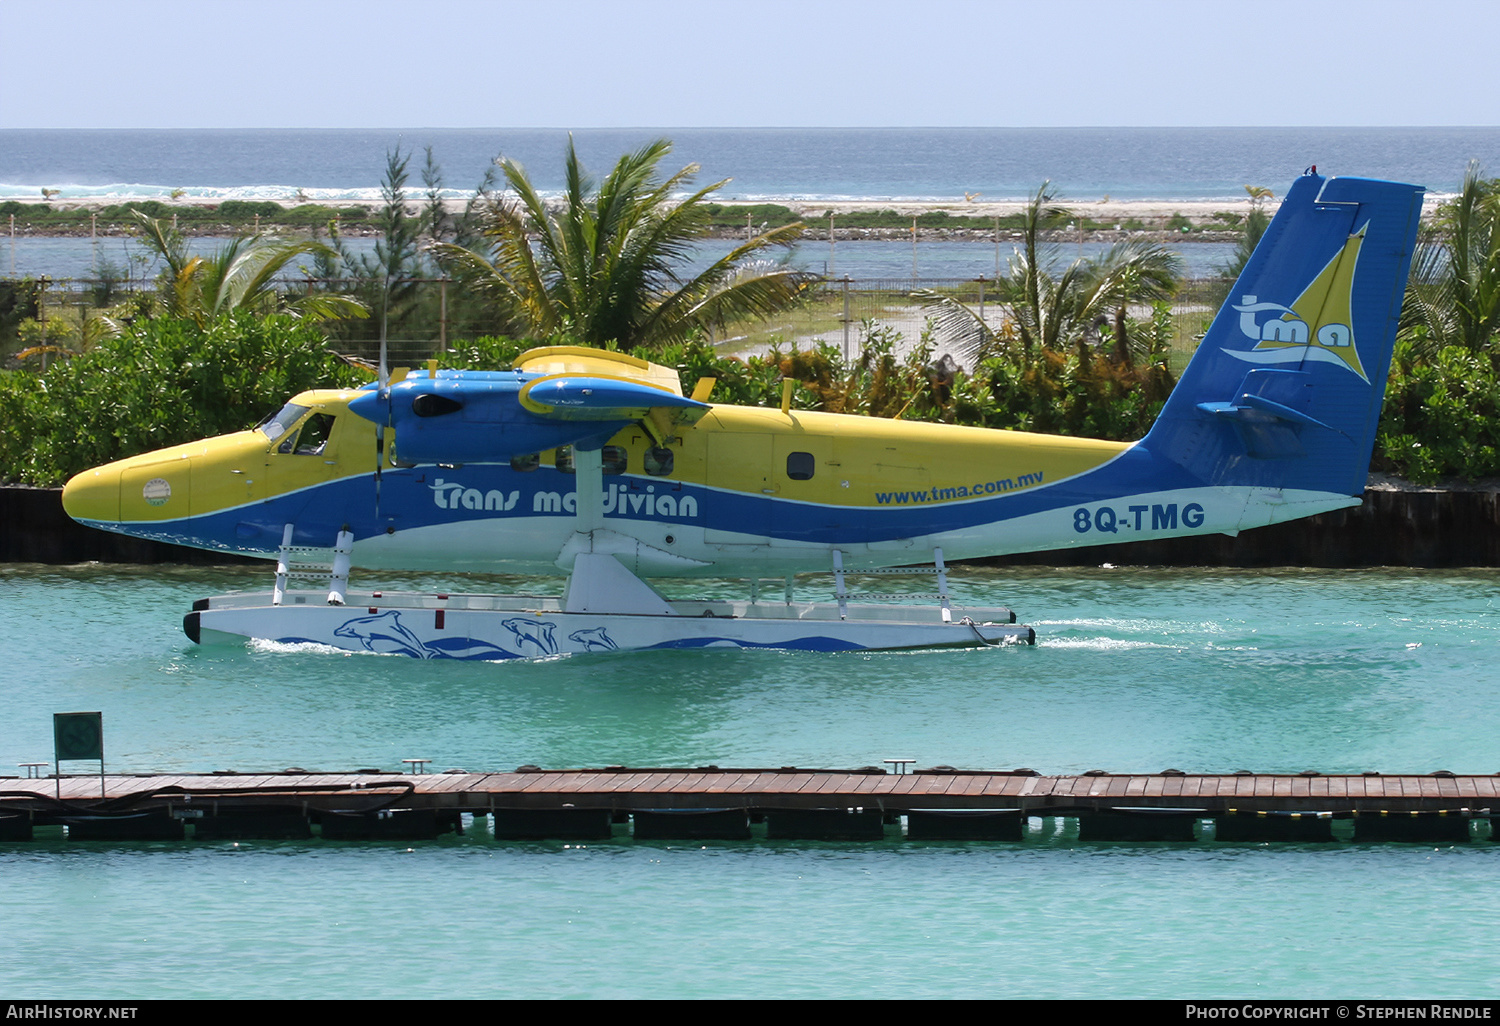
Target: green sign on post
78,735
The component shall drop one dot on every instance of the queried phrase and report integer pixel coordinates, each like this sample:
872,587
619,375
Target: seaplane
599,466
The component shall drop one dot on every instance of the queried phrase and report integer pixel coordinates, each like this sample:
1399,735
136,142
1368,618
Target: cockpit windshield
274,427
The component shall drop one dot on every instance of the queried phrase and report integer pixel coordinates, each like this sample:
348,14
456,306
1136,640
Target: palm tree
606,264
1055,311
240,276
1127,274
1257,220
1454,291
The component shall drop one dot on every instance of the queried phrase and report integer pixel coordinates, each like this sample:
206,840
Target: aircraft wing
588,398
555,397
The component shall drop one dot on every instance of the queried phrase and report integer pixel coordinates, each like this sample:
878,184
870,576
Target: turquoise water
70,258
1135,670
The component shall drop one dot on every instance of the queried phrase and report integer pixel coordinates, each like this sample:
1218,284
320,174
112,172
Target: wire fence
436,315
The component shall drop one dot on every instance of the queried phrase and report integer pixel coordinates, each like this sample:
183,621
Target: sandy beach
1105,209
1151,220
1136,218
1102,210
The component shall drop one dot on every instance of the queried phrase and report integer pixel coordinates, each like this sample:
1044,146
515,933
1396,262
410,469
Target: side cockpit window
276,425
313,438
308,438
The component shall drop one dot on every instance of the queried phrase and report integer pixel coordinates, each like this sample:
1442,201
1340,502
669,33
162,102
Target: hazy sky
702,63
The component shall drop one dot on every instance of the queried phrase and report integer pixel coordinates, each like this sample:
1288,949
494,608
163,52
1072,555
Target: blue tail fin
1285,389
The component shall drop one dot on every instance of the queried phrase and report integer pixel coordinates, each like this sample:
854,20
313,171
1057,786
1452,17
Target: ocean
806,164
1135,669
762,163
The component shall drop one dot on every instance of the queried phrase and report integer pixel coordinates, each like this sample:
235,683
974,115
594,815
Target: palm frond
753,291
165,241
960,328
1051,309
325,307
239,275
608,259
1454,289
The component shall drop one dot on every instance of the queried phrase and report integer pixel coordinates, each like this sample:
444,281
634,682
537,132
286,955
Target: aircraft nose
93,496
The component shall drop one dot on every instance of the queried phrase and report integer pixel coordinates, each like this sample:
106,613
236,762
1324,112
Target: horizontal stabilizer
1253,408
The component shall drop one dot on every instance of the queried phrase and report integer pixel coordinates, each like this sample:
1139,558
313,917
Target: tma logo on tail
1317,326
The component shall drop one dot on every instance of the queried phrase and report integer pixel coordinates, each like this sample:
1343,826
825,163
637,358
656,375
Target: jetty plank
904,784
731,783
624,789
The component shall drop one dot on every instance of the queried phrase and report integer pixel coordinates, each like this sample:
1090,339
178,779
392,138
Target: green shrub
1441,416
315,214
489,352
246,210
18,302
122,211
162,382
761,215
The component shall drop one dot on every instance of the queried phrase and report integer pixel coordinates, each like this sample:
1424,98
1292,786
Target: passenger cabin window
525,464
799,466
658,461
615,458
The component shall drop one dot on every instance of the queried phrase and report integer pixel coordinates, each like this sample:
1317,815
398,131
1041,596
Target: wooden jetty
938,803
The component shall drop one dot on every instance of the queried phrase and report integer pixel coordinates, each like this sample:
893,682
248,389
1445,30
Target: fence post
443,315
41,314
846,318
831,263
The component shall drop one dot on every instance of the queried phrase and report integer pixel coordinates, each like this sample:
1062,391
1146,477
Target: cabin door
808,485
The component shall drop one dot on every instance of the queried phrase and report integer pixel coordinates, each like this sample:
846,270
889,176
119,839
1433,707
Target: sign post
76,736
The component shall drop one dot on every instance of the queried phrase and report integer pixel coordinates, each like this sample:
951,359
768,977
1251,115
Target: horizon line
720,128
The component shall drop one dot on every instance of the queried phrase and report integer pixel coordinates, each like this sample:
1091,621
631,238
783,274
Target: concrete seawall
1432,528
34,529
